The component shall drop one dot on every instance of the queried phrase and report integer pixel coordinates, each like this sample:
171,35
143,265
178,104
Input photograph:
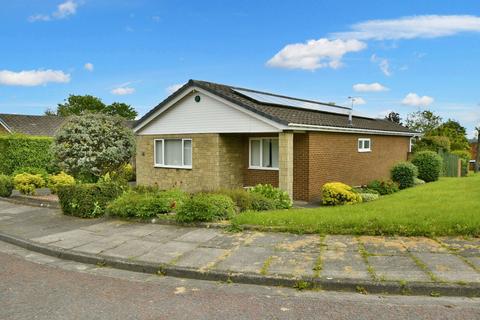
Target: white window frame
156,164
410,145
362,148
260,167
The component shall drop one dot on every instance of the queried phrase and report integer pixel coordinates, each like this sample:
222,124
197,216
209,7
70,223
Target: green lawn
450,206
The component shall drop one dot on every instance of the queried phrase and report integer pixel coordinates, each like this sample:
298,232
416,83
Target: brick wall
231,160
335,157
300,166
203,176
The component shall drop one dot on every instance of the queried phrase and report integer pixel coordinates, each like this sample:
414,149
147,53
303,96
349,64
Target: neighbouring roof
286,114
37,125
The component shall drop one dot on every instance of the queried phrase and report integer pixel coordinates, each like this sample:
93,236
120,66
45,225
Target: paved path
34,286
443,260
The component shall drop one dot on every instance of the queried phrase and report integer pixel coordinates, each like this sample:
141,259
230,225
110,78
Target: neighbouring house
473,151
30,124
207,136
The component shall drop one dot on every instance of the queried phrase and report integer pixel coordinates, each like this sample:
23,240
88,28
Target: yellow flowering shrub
59,180
26,183
335,193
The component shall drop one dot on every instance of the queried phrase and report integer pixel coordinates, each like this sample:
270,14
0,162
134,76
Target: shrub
59,180
383,187
18,151
125,173
26,183
6,185
32,170
432,143
335,193
429,165
404,174
88,200
417,182
89,146
281,198
366,197
133,204
206,207
245,201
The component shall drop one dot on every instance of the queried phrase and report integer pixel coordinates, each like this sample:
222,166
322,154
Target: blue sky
401,56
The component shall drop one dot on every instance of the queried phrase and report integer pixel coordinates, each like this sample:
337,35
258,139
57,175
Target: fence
452,164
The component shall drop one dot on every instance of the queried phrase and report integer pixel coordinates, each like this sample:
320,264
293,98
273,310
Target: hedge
18,151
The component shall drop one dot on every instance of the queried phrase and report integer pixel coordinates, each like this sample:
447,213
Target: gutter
298,126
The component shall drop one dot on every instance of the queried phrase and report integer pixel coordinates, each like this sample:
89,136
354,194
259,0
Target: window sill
173,167
263,168
363,151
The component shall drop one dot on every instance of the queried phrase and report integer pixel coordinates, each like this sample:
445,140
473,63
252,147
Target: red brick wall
300,166
335,157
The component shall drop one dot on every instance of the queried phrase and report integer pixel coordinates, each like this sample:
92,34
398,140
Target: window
264,153
410,146
173,153
364,145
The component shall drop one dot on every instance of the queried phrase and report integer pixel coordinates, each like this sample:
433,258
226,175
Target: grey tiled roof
286,114
38,125
32,125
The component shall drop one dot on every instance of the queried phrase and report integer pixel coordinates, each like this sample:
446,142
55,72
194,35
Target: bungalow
207,136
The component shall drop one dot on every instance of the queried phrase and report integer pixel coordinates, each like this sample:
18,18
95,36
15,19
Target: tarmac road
49,289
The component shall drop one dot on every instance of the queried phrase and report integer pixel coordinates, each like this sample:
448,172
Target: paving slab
448,267
105,226
475,261
383,245
136,230
198,235
17,209
103,244
51,238
201,258
227,240
300,243
269,240
464,247
343,264
245,259
292,264
131,249
340,242
76,241
397,268
167,252
421,244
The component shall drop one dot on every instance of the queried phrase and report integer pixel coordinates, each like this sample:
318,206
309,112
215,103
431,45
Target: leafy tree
423,121
394,117
453,131
78,105
92,145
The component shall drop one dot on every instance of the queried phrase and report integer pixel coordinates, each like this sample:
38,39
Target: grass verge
446,207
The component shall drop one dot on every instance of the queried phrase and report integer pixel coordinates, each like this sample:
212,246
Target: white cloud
63,11
413,99
88,66
32,78
383,64
174,87
121,91
315,54
423,26
359,101
369,87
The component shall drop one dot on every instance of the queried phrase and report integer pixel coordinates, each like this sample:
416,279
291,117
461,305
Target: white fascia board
5,126
298,126
188,90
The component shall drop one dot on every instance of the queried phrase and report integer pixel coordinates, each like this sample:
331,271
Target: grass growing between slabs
450,206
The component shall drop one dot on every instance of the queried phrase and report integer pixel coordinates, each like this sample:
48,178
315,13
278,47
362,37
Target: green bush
245,201
41,171
26,183
366,197
88,200
17,151
134,204
58,180
432,143
417,182
281,198
383,187
6,186
336,193
206,207
125,173
404,174
429,165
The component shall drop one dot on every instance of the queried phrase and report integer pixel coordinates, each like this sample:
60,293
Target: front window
264,153
364,145
173,153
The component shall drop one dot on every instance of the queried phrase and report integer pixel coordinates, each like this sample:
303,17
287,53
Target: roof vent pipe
350,112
